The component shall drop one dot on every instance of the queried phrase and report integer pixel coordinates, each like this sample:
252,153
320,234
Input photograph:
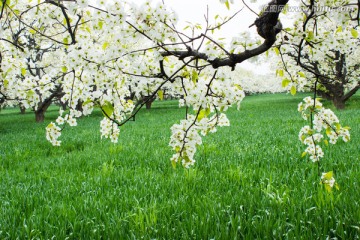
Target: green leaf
339,29
32,31
280,72
203,113
64,69
277,51
66,41
194,76
108,109
328,131
238,86
285,82
87,102
6,83
160,93
173,163
7,2
100,24
310,36
177,149
23,71
354,33
30,93
328,175
326,142
303,154
293,90
227,5
301,74
105,45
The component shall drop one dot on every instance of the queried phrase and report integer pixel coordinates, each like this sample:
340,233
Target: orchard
119,56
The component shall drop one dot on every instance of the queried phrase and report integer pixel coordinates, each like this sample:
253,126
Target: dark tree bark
43,106
149,100
22,109
40,112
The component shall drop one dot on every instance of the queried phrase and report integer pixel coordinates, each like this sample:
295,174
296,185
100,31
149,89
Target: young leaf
194,76
354,33
339,29
328,175
293,90
285,82
328,131
301,74
105,45
6,83
23,71
280,72
277,51
100,23
108,109
203,113
227,5
160,93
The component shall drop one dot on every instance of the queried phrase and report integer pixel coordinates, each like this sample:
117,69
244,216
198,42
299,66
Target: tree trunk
148,104
149,100
39,116
40,112
22,109
339,103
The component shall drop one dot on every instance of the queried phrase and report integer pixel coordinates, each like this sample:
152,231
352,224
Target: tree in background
321,54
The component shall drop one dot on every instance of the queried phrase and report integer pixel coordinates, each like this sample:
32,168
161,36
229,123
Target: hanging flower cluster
321,120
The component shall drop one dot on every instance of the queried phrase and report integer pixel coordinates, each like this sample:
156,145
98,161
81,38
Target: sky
194,11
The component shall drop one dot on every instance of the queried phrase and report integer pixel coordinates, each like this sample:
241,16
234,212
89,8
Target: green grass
249,181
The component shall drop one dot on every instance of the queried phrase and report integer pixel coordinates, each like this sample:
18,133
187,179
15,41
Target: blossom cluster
186,136
53,132
321,120
209,96
328,180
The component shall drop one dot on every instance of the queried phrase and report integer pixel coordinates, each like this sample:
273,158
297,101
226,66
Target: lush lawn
249,180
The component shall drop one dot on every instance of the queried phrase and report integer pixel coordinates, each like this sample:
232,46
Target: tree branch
268,26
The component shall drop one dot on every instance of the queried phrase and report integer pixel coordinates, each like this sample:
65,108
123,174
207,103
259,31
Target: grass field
249,181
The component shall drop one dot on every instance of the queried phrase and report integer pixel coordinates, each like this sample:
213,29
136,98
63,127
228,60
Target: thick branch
351,92
268,26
